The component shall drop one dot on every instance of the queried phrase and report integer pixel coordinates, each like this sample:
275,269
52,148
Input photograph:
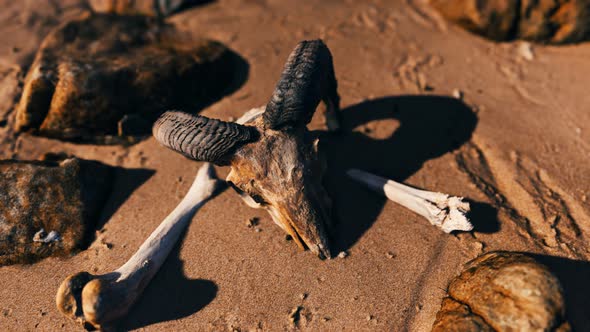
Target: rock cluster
545,21
50,206
503,291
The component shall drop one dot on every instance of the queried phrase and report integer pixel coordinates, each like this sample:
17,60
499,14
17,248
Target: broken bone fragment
444,211
275,160
49,206
104,75
100,300
503,291
552,22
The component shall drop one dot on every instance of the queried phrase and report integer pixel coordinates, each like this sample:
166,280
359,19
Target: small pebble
294,315
258,230
458,94
106,244
325,319
303,296
525,50
369,317
390,255
343,254
252,222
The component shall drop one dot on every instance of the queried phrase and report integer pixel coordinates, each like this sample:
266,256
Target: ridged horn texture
306,76
202,138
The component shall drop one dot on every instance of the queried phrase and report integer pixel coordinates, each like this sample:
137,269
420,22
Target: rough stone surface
546,21
92,71
503,291
48,207
456,317
144,7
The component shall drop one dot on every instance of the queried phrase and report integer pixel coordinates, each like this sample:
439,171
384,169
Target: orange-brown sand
518,148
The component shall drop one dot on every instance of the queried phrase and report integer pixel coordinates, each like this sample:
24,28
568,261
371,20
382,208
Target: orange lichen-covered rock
456,317
504,291
91,72
49,207
546,21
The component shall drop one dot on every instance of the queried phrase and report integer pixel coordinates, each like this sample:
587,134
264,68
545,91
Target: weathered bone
275,163
102,299
444,211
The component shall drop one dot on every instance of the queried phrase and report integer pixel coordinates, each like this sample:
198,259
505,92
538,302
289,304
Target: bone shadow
483,217
170,295
573,276
430,126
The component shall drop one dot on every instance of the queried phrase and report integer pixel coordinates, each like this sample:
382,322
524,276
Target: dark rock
49,207
503,291
90,72
544,21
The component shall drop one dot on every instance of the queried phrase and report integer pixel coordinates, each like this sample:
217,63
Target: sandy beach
516,144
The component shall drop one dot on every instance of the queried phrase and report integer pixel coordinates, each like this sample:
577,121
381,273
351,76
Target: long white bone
444,211
108,297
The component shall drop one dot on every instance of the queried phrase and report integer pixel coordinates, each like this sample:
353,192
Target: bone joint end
449,213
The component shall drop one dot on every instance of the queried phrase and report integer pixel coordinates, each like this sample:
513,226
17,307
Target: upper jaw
308,232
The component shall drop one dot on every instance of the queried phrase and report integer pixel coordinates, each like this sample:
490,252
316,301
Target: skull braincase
282,173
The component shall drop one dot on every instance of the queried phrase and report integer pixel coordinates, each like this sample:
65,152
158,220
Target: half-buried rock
49,207
544,21
503,291
106,74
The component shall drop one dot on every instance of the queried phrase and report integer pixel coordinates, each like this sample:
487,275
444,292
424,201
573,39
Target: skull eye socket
253,200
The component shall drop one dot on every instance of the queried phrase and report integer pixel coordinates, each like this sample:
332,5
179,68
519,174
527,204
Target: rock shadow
573,276
125,182
430,126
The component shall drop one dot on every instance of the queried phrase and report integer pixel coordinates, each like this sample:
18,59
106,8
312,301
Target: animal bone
274,159
444,211
101,299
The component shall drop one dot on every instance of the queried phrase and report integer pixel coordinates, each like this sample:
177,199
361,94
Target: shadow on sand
125,182
573,276
430,126
170,294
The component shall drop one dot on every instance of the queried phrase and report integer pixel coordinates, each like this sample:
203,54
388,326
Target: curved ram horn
202,138
307,78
